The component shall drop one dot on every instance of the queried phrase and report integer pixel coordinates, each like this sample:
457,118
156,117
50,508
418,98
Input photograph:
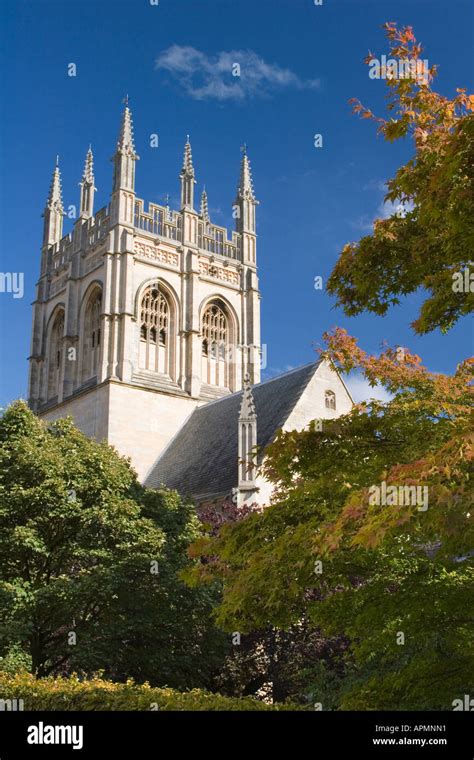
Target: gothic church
146,330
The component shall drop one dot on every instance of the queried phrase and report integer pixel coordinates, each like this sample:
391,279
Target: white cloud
363,223
385,210
360,390
389,208
206,77
376,184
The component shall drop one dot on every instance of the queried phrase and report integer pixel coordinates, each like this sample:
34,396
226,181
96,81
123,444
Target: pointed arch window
92,336
330,399
55,355
215,335
155,331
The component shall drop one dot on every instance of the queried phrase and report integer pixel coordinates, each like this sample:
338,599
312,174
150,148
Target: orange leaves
390,29
400,370
421,135
365,113
404,35
342,349
417,108
407,34
356,105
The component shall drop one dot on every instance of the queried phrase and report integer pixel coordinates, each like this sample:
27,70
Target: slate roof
202,458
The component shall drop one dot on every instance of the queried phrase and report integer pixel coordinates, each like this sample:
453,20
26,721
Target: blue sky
300,64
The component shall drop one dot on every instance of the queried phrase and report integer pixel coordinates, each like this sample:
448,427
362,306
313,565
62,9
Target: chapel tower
143,313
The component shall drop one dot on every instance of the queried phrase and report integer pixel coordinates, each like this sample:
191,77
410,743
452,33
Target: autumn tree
428,242
292,664
395,578
370,531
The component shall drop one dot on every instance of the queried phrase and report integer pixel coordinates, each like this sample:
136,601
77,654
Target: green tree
324,552
430,243
89,562
292,664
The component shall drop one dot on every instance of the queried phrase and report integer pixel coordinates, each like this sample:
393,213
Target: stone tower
142,314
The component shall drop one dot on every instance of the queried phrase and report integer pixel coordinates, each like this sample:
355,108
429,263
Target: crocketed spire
188,167
87,186
247,407
55,196
204,207
245,189
187,178
54,210
88,173
125,155
125,142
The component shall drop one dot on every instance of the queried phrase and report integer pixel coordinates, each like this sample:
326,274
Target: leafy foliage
277,664
433,238
99,695
298,664
90,562
384,570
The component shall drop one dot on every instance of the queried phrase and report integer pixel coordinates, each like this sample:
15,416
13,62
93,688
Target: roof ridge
289,372
258,385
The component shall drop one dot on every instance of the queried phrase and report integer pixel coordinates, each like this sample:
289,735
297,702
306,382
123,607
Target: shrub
99,695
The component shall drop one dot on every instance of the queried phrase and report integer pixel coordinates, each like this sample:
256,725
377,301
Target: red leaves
400,371
407,34
404,35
